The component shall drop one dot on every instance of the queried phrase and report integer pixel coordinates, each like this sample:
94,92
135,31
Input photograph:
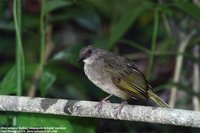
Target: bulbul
117,75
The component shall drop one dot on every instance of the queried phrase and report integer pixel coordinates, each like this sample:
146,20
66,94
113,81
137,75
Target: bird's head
87,53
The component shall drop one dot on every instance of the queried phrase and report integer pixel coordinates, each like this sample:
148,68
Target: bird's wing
126,76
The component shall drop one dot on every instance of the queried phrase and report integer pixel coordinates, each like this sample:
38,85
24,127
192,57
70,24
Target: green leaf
88,126
71,54
189,8
22,62
105,7
47,81
48,121
55,4
79,129
20,65
8,85
3,119
125,22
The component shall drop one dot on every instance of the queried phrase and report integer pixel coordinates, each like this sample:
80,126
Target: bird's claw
120,107
99,105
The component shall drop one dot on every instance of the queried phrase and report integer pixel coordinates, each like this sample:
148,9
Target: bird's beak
80,60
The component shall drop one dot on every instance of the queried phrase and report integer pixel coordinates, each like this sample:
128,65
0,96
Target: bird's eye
89,53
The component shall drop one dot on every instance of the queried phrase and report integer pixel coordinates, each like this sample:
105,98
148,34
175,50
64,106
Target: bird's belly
104,82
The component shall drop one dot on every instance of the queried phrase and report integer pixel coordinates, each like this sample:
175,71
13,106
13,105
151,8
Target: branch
109,110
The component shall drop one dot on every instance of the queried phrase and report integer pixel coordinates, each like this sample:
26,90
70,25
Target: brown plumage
117,75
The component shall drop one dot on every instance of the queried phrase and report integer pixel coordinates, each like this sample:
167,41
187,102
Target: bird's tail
157,99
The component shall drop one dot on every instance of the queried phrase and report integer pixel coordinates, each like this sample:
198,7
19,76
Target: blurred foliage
46,121
129,27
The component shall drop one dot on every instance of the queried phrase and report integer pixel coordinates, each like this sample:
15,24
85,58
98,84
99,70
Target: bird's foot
100,104
120,107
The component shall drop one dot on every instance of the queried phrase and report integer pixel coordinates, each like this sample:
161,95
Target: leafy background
40,42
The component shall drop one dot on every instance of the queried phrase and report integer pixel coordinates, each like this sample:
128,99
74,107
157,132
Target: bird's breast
96,73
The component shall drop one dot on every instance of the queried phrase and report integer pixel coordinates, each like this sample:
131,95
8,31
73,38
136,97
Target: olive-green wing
129,79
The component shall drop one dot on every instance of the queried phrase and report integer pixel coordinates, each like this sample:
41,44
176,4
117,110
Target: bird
117,75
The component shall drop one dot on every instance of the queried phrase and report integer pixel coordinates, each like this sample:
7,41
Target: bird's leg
100,104
120,107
